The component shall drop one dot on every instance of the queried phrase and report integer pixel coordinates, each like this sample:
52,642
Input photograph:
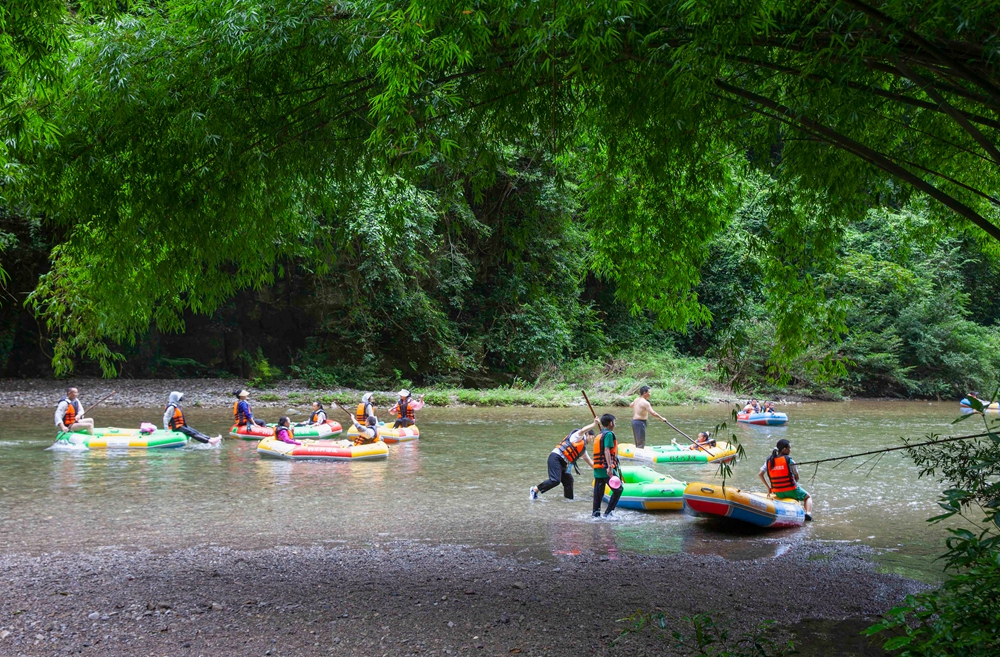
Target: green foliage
708,638
262,373
962,617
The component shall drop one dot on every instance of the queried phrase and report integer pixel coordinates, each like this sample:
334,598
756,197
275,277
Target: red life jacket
599,450
177,420
779,472
572,447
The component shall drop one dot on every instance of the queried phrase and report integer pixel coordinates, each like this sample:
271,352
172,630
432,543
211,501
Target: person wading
605,463
69,414
404,409
783,477
563,457
173,419
641,410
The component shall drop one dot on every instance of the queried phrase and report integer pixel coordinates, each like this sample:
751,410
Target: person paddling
242,413
368,432
641,410
173,419
605,464
69,414
283,431
563,457
782,477
404,409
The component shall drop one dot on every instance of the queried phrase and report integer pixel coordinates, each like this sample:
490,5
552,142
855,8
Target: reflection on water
466,481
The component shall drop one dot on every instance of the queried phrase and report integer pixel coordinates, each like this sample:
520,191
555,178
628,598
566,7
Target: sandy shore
410,599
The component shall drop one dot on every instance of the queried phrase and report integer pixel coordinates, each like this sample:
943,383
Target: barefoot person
69,414
563,457
782,477
641,410
605,464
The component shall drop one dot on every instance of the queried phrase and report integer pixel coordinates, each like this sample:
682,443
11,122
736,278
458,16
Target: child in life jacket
283,431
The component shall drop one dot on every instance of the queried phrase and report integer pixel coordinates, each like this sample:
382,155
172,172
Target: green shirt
607,440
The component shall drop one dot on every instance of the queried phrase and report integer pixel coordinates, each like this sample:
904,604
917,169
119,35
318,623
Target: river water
465,482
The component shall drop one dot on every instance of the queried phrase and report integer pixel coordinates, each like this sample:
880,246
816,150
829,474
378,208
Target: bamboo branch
895,449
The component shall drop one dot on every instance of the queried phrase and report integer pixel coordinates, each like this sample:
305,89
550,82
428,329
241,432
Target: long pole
893,449
589,405
96,403
693,441
615,467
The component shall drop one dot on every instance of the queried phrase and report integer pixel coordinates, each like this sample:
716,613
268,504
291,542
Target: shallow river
465,482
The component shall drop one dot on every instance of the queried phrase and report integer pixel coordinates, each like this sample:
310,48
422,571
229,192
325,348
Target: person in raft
365,409
704,440
242,413
317,418
783,477
563,457
283,431
173,419
69,414
367,432
405,408
605,464
641,410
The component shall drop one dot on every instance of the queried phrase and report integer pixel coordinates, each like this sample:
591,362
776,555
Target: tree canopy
187,149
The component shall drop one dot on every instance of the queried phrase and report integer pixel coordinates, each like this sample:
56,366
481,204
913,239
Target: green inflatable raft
115,438
645,489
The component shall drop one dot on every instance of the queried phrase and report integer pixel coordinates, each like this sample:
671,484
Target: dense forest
797,197
483,290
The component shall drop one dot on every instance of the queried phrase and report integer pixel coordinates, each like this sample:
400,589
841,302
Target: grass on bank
674,380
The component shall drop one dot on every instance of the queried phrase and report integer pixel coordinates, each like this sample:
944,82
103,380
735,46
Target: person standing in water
605,464
641,410
69,414
782,477
404,409
563,457
173,419
242,413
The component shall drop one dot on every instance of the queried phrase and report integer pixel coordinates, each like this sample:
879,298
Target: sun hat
404,393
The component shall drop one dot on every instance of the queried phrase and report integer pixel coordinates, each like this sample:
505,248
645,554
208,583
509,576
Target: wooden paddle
616,468
693,441
96,403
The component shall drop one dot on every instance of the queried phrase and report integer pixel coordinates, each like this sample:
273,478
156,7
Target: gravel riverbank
410,599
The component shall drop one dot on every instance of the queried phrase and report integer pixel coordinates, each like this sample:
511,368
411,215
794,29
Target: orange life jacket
69,418
314,418
362,413
572,447
779,471
599,450
177,420
363,439
404,410
239,418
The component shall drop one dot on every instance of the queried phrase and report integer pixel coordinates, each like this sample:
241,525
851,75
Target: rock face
409,598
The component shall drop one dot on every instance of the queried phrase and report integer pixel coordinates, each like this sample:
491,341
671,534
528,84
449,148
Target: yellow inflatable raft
712,500
390,435
322,450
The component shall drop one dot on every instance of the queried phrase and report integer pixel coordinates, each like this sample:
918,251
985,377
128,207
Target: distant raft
967,406
115,438
324,430
388,434
645,489
763,419
711,501
322,450
677,454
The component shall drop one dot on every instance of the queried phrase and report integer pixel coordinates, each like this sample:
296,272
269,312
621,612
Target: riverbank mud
409,598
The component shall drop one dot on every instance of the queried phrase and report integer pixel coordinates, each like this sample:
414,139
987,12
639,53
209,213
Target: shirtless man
641,409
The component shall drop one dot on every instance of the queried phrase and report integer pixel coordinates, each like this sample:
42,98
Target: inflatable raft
322,450
115,438
966,406
645,489
328,428
388,434
710,501
675,453
251,431
764,419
